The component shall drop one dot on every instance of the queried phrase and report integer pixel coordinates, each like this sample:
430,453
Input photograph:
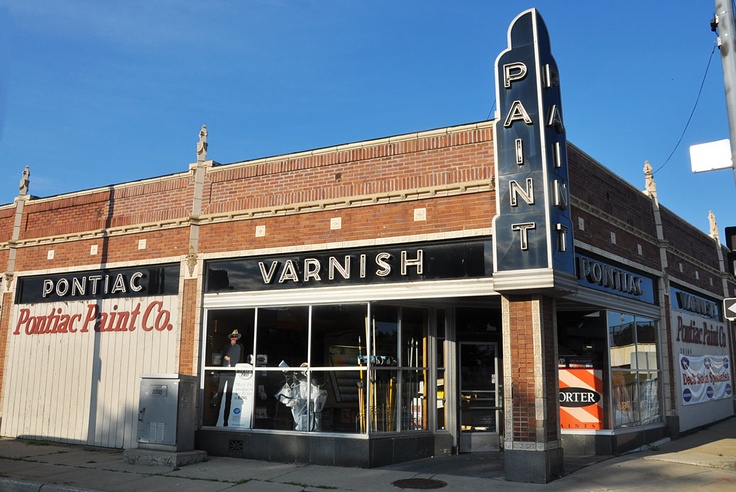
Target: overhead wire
697,99
491,111
687,124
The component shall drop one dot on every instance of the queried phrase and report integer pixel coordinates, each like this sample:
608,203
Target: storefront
347,345
479,287
610,368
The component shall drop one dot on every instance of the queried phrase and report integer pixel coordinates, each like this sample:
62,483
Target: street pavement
702,460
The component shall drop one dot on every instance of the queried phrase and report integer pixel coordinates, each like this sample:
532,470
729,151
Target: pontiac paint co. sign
110,300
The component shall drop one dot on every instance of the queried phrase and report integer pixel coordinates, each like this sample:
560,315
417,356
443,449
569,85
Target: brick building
378,320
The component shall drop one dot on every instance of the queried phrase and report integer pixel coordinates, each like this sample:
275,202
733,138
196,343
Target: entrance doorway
479,399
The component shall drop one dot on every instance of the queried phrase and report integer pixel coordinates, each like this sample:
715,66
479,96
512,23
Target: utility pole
724,22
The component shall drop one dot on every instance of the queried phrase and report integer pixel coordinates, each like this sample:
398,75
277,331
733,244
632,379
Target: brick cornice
639,234
471,187
613,220
454,189
372,149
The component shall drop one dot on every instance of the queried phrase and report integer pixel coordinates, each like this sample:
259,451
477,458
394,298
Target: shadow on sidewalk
480,465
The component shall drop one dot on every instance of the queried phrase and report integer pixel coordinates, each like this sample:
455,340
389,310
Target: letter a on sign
517,113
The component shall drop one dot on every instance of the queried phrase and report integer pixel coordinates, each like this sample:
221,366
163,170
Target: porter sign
532,231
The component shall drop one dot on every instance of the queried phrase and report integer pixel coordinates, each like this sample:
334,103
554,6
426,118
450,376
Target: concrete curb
10,485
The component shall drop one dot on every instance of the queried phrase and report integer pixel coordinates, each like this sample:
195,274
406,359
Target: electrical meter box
167,412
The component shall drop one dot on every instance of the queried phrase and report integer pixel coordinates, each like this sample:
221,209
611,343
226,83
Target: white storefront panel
700,342
73,367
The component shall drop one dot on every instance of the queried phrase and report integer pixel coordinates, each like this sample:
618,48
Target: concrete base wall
319,449
621,442
533,466
443,444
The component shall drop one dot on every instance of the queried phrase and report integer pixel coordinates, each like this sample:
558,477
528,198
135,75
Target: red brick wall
160,243
443,215
611,205
161,200
594,184
526,374
188,327
383,168
7,306
688,244
7,216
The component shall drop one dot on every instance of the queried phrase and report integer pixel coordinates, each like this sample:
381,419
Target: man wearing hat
230,356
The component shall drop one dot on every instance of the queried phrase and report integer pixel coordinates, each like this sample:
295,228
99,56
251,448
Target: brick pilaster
7,306
532,443
189,323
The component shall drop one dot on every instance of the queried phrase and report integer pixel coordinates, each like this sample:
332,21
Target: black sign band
360,266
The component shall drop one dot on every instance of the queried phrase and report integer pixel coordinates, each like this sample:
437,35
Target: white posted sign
710,156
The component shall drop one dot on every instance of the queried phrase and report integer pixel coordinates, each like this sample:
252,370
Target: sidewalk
706,459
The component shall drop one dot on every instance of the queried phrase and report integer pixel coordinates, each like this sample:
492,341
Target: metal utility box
167,412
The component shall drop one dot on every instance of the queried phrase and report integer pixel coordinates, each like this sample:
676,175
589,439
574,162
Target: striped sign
581,399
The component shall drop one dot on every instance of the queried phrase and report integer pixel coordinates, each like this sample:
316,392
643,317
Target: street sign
729,308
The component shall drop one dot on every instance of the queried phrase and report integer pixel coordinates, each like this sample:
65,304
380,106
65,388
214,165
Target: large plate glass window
229,332
635,373
343,368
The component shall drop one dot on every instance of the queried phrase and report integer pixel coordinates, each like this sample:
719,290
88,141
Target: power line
687,124
697,99
491,111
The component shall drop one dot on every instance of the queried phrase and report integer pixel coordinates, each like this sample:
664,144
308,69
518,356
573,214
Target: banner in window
705,378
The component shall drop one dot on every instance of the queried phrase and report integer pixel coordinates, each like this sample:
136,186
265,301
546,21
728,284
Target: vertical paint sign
532,231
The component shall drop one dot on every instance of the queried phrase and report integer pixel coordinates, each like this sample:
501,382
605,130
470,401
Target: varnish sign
532,231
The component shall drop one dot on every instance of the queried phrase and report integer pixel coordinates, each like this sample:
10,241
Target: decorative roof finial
191,260
202,145
25,181
713,226
650,185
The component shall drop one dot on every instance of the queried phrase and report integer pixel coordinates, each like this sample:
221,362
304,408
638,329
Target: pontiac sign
143,281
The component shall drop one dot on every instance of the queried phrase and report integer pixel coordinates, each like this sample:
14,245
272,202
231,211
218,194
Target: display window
440,357
608,370
343,368
635,374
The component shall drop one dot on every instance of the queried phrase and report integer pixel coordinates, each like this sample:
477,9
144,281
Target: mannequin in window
231,355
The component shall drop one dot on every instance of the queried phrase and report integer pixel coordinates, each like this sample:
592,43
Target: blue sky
94,93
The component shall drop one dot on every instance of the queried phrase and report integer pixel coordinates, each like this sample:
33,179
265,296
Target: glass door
479,401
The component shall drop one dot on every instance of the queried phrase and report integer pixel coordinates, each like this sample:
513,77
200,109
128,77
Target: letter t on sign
524,236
